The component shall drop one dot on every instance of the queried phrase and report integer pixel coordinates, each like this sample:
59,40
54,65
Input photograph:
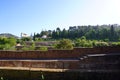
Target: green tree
64,44
32,47
64,33
12,41
26,39
112,32
7,43
54,34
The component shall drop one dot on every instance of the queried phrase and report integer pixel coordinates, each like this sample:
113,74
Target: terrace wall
75,53
29,74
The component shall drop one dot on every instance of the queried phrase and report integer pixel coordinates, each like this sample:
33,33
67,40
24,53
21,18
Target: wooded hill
8,35
98,32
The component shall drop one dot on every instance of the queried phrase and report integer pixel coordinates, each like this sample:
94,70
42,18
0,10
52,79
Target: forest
98,32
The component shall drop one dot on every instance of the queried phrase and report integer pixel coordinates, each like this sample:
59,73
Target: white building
24,35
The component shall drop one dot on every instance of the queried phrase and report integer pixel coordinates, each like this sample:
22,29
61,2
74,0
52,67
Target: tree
26,39
12,41
64,33
54,34
32,47
82,42
43,33
58,29
64,44
98,32
7,43
34,37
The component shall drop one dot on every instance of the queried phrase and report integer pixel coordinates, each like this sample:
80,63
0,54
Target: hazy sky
31,16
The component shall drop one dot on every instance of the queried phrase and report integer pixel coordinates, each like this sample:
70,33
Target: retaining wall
18,74
76,52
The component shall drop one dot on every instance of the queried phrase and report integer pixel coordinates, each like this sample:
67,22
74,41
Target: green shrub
98,44
25,49
82,42
42,48
64,44
115,44
7,43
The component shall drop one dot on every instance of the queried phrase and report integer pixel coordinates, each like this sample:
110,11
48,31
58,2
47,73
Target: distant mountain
8,35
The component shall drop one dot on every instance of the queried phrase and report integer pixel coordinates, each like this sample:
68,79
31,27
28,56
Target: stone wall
23,69
75,53
39,58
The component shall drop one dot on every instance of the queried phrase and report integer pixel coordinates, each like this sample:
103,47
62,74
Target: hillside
90,32
8,35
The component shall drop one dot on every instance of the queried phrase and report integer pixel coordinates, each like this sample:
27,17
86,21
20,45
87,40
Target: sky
29,16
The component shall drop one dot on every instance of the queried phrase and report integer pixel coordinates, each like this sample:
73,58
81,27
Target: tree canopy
98,32
7,43
64,44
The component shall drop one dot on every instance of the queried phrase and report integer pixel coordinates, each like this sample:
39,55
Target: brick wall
76,52
51,54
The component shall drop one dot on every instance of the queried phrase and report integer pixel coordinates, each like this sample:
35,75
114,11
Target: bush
115,44
7,43
43,48
25,49
99,44
82,42
64,44
32,47
1,47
